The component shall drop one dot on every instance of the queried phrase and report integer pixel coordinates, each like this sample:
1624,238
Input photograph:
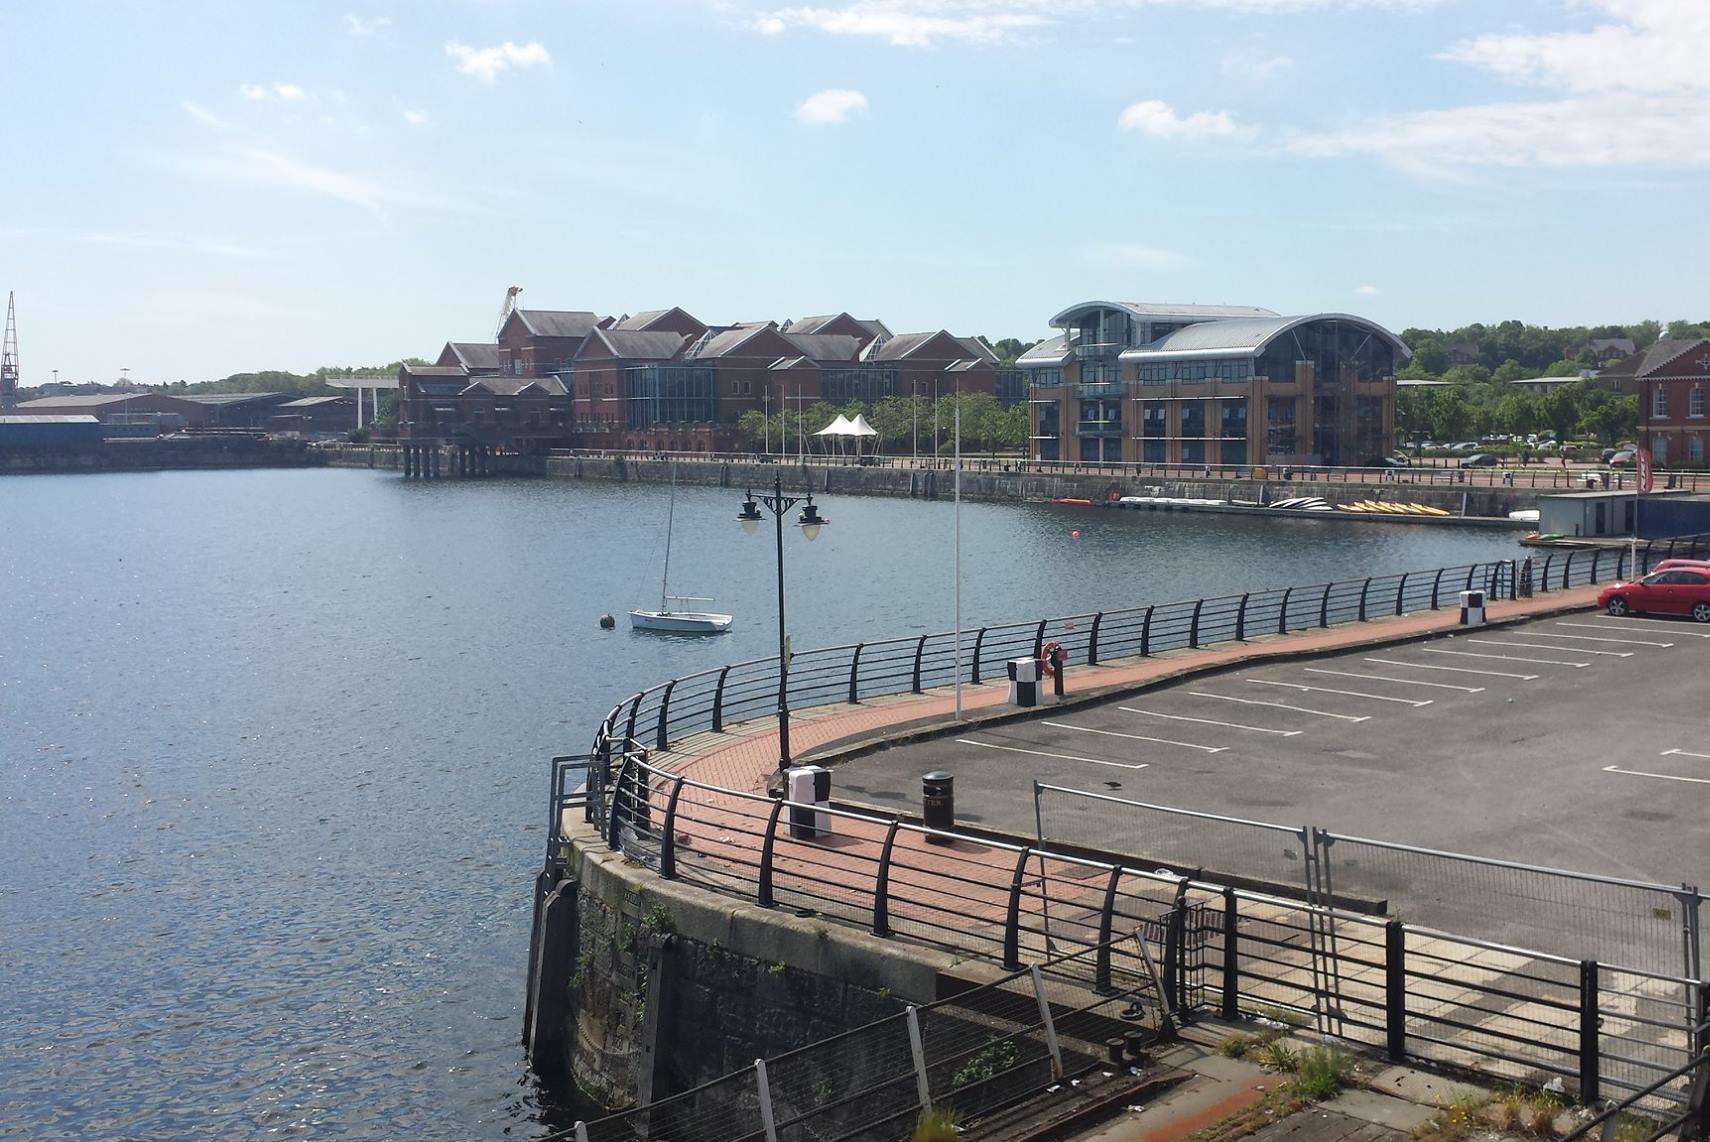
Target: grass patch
1319,1073
1242,1046
1463,1117
936,1125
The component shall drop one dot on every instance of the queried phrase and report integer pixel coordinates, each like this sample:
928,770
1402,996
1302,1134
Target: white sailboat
666,618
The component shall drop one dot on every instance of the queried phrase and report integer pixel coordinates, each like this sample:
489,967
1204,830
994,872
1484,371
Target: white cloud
832,106
201,114
1255,65
415,118
487,64
1631,90
260,165
1158,120
923,23
1367,290
1137,257
364,27
284,92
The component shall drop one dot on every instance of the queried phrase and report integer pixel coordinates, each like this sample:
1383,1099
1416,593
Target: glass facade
1338,351
840,384
670,394
1045,378
1280,439
1233,428
1164,372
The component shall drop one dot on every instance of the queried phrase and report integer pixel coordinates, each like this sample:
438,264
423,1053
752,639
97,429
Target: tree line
1474,409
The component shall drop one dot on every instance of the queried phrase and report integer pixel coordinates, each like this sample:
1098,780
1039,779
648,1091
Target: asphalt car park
1579,741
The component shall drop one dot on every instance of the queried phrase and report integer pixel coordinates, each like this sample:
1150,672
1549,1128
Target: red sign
1642,469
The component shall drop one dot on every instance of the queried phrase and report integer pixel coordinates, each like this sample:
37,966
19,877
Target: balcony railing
1101,389
1099,428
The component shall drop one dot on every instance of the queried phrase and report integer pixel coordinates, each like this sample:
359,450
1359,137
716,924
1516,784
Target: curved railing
727,695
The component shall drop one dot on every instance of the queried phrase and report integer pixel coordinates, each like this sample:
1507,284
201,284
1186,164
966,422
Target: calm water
272,753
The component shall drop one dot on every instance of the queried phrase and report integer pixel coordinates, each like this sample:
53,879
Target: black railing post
1193,627
1039,638
1401,596
1395,989
718,701
1620,562
1106,923
1544,576
1175,929
1365,589
855,675
763,891
1012,924
1436,582
882,884
1589,1084
1596,557
1146,634
1092,641
919,649
664,711
668,838
1645,559
1282,615
1472,570
1241,620
1324,607
1567,572
979,644
1231,957
634,709
616,818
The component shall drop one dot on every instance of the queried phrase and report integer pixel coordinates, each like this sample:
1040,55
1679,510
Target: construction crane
506,310
9,357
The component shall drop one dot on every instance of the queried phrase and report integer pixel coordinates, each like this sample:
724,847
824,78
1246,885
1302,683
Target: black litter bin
938,800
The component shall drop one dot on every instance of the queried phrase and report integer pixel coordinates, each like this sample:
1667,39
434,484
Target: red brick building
1674,385
540,342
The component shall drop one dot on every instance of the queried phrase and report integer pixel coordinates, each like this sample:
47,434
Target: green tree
1451,415
1508,372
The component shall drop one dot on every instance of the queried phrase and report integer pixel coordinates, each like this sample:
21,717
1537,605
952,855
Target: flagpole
958,530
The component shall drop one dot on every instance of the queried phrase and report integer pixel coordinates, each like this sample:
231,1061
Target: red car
1689,564
1677,591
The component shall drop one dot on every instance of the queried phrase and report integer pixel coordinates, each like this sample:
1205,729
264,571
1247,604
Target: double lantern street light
810,522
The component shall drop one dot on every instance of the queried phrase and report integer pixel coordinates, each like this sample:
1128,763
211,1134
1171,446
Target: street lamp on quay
810,523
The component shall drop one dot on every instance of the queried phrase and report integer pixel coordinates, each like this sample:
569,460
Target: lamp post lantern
810,523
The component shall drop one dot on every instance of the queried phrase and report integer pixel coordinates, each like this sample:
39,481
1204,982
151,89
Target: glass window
1695,449
1659,401
1155,419
1152,451
1659,450
1193,452
1193,419
1695,401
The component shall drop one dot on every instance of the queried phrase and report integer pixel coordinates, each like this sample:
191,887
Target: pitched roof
905,345
95,401
222,400
872,325
825,346
435,370
476,356
313,402
726,340
504,386
1151,310
1051,351
629,344
1662,353
647,318
557,322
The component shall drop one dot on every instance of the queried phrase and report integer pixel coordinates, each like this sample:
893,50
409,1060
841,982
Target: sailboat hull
680,622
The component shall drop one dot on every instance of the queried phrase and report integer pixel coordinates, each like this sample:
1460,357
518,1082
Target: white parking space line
1503,657
1658,776
1135,737
1593,638
1058,756
1386,678
1684,753
1280,706
1210,722
1454,669
1612,624
1547,646
1344,693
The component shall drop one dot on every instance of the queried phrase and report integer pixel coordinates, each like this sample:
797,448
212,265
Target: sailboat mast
670,516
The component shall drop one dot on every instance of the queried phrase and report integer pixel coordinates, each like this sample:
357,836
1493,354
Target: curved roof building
1169,384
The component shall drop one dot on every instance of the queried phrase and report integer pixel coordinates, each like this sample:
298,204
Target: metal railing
1410,991
716,698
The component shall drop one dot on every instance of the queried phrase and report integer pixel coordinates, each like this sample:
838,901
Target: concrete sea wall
163,453
990,483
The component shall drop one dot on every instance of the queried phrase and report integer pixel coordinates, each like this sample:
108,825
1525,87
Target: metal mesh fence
1648,926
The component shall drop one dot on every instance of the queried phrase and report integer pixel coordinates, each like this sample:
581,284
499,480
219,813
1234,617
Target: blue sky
194,189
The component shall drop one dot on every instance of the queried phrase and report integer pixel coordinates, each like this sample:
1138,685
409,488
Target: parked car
1480,460
1607,455
1394,462
1688,564
1677,591
1623,459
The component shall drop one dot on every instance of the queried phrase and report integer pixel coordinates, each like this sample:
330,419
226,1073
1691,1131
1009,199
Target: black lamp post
810,522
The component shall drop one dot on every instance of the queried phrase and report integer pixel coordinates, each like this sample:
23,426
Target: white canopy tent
842,430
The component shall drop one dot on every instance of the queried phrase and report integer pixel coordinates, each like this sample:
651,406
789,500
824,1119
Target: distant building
1205,384
1673,381
238,410
144,412
314,416
1543,386
1463,353
1610,348
663,379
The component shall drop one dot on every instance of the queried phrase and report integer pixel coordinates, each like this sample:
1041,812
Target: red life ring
1048,659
